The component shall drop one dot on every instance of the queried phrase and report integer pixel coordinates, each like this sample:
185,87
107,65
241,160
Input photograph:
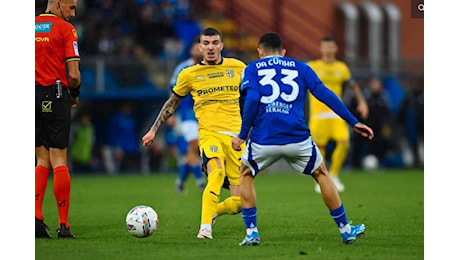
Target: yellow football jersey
333,75
215,90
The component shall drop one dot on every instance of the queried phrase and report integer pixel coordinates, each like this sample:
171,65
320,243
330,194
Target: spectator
411,117
150,33
379,119
82,146
122,153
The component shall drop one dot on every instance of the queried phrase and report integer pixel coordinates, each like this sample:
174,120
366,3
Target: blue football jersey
274,90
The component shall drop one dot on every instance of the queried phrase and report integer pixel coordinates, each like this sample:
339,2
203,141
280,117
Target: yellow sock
211,195
338,157
230,206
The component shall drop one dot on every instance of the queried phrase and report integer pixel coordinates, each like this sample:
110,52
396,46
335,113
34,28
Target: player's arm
326,96
251,106
168,109
362,107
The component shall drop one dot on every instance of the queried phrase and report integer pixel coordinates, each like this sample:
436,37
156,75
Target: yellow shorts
324,130
216,145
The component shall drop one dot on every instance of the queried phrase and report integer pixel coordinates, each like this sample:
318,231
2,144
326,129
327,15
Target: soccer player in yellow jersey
214,84
324,124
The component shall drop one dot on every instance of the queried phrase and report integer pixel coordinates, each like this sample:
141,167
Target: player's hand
236,143
363,109
364,130
74,101
147,139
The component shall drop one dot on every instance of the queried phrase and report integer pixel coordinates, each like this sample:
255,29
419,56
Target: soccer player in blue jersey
275,89
189,125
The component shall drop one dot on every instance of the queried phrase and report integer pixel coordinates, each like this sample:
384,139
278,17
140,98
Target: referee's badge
46,106
213,148
230,73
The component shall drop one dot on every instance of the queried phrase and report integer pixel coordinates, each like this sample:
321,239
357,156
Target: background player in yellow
214,84
324,124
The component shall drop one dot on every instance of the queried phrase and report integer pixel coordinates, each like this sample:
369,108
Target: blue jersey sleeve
323,94
251,97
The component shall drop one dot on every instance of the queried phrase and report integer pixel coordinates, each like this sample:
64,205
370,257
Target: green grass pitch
293,221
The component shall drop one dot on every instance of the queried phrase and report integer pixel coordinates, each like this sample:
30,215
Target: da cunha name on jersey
271,62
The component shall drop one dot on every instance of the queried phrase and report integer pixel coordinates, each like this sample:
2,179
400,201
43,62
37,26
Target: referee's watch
74,92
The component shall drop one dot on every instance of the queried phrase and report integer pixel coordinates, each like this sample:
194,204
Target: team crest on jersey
213,148
230,73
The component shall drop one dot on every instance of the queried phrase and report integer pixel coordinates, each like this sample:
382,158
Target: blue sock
184,169
339,216
250,219
197,172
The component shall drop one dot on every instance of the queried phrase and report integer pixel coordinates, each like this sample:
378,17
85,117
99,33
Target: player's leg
184,169
249,209
337,211
213,161
255,158
339,155
232,204
320,130
211,195
42,171
193,159
305,157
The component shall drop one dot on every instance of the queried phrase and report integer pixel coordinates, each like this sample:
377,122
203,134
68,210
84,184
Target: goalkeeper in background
214,84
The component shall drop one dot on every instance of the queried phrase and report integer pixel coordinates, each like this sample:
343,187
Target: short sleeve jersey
56,43
333,75
216,91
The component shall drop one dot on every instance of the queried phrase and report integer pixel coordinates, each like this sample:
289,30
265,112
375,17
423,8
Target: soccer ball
370,162
142,221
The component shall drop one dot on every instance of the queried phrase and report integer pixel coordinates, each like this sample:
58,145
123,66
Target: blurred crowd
125,28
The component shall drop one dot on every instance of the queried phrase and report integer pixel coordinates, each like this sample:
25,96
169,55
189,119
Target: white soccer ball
142,221
370,162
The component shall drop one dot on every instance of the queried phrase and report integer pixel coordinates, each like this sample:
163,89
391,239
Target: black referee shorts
52,117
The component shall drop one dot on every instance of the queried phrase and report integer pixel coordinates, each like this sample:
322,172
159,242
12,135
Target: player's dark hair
210,31
271,41
329,38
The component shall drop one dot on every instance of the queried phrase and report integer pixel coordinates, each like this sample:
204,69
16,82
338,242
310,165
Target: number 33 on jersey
276,87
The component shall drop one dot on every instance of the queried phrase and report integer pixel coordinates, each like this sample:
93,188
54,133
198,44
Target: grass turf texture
292,219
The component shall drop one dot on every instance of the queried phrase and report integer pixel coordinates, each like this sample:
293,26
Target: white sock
205,226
